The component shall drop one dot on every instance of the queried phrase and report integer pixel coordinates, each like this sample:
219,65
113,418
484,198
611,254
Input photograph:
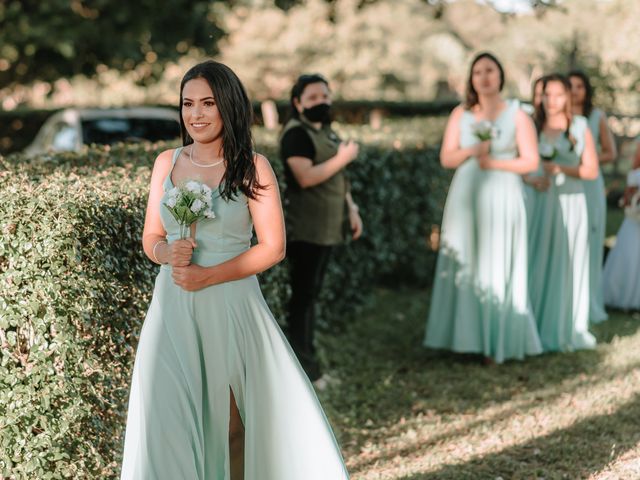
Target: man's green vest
316,214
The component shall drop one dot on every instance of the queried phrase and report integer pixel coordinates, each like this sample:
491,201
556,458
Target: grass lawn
403,412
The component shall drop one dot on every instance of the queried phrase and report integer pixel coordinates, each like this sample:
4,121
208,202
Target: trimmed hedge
75,285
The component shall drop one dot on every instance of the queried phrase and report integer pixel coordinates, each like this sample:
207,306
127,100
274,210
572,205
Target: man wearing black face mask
317,204
318,113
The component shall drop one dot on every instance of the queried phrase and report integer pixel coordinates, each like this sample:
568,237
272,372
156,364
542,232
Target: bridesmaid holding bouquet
480,296
217,393
558,234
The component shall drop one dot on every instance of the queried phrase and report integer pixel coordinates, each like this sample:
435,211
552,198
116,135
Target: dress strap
513,104
176,154
168,184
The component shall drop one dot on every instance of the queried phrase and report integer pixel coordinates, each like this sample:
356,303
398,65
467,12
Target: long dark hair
539,80
298,89
587,105
471,94
237,117
540,114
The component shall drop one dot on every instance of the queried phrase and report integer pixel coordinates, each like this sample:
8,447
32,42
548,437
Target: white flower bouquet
189,203
484,130
547,152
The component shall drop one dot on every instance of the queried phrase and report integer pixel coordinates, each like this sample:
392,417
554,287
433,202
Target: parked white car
71,128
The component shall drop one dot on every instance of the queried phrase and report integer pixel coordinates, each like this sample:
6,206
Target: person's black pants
308,264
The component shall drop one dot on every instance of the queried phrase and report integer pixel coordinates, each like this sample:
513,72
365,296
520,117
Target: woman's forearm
520,165
609,151
156,248
321,172
581,171
530,179
350,203
455,158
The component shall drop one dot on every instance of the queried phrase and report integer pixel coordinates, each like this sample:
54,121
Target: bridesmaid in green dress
558,234
480,296
582,102
217,392
538,181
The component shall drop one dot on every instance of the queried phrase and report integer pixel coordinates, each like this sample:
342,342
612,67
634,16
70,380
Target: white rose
173,192
196,206
209,214
171,202
193,186
206,190
483,126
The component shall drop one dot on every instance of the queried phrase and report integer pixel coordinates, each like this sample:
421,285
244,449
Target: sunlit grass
404,412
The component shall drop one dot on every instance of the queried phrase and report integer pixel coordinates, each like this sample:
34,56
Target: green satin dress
594,191
480,301
559,252
197,346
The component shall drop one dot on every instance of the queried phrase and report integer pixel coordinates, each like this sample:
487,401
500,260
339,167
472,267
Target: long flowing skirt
595,194
559,268
622,269
196,347
480,296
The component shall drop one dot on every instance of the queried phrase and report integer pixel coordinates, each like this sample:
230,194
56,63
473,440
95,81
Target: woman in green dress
558,232
594,190
217,393
480,301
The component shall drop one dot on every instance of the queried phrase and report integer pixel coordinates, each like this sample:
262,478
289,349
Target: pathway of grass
403,412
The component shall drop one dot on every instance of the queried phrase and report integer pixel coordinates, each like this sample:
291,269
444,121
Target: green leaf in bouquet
173,213
182,211
190,217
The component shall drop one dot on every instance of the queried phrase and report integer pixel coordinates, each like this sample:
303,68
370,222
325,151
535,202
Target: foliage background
370,49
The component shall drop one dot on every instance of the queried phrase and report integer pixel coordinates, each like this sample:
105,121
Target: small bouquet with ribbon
189,203
547,152
484,130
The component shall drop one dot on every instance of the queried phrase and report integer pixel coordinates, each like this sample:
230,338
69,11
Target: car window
63,137
112,130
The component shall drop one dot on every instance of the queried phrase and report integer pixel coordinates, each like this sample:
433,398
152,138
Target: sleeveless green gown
480,301
196,346
595,194
559,252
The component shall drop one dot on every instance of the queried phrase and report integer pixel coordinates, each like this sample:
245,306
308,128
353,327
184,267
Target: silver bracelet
153,252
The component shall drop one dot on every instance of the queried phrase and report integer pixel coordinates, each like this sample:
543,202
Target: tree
46,40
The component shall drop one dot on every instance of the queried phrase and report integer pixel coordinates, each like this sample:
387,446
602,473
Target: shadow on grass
387,376
574,452
620,324
518,408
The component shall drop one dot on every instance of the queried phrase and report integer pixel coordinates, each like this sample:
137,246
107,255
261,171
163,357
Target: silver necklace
207,165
